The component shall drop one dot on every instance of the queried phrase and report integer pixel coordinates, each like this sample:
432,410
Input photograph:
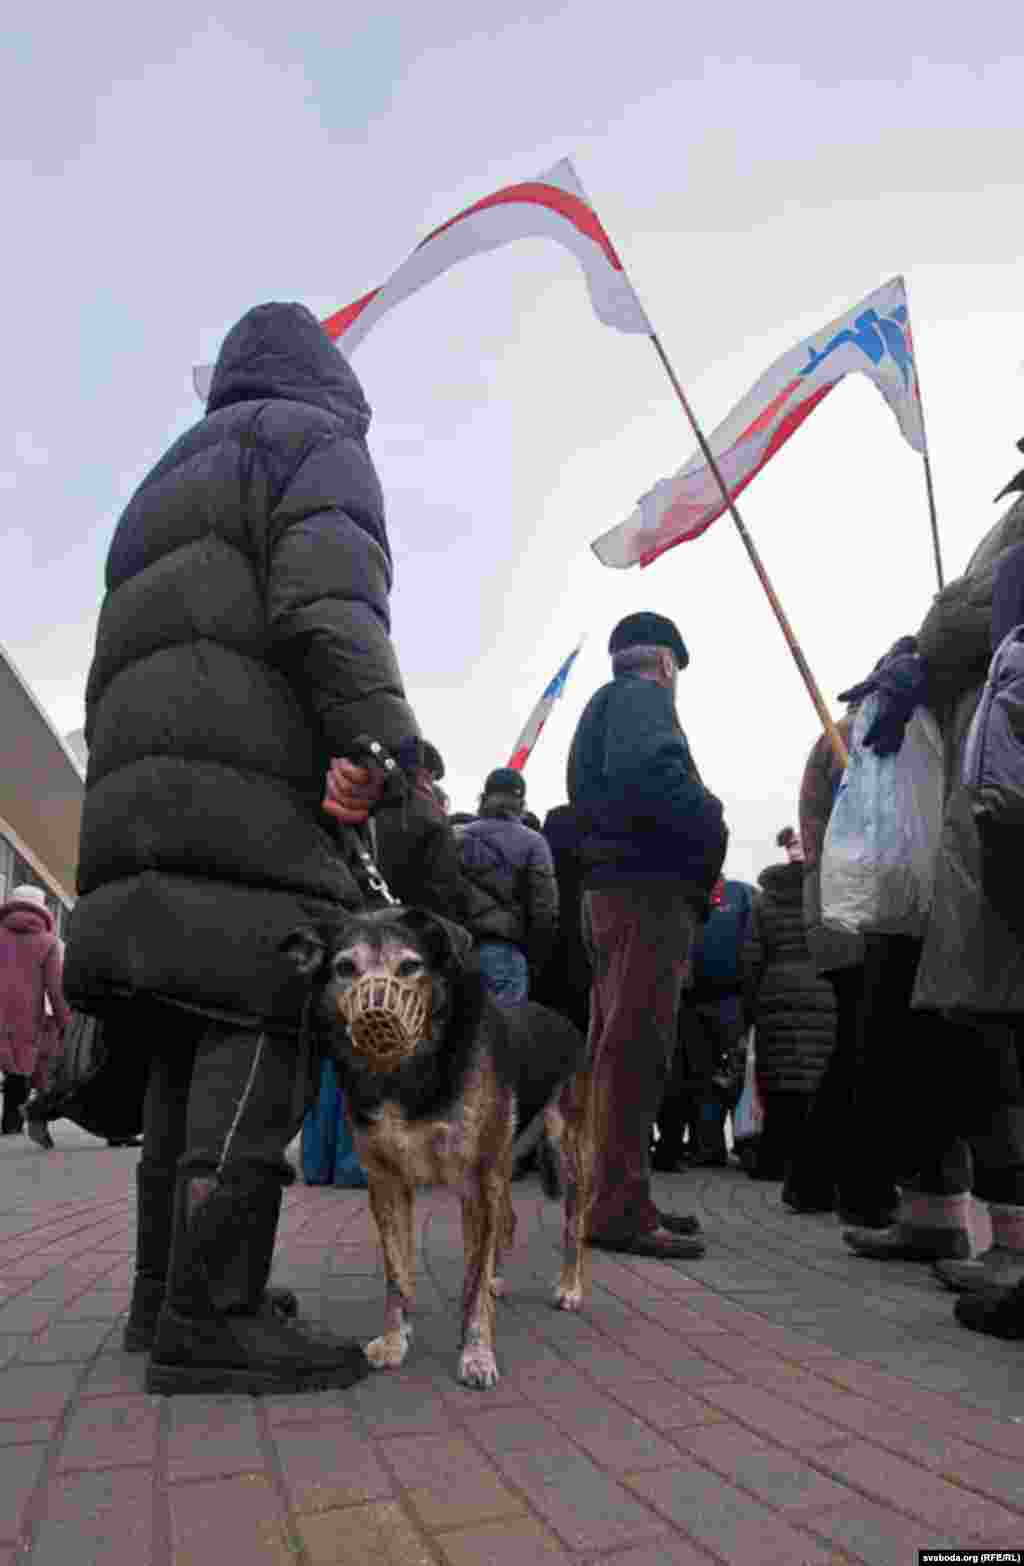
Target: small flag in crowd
539,716
872,338
552,206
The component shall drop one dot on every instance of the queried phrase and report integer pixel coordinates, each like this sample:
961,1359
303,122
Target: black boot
15,1094
162,1204
203,1346
999,1312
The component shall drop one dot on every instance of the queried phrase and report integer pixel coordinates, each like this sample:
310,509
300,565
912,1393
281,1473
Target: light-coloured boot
1001,1266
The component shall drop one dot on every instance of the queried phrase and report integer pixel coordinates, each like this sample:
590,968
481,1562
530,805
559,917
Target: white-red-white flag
552,206
873,339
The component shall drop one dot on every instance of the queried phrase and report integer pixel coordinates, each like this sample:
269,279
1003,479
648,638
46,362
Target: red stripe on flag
786,427
341,320
563,202
518,761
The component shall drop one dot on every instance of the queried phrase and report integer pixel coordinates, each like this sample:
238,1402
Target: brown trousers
639,940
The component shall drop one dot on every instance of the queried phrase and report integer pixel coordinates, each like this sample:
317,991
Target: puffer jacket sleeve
328,580
541,903
752,955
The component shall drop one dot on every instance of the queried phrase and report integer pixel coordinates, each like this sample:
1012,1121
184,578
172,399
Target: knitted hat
28,894
505,780
647,629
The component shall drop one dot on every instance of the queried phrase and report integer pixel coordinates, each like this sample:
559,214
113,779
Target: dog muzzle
386,1017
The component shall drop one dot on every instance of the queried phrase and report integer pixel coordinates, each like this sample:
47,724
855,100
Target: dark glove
900,681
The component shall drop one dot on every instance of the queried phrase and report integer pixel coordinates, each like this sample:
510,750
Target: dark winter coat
418,855
243,641
564,981
513,895
973,958
645,813
794,1008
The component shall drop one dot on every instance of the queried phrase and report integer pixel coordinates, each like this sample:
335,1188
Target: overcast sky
759,169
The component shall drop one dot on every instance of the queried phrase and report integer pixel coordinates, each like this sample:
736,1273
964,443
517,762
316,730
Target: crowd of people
243,656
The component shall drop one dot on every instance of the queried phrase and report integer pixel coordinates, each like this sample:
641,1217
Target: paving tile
26,1431
667,1407
330,1467
587,1508
379,1533
400,1402
97,1519
210,1436
502,1430
615,1437
879,1536
725,1520
906,1487
20,1467
238,1519
769,1414
36,1390
65,1341
447,1481
115,1373
515,1541
777,1476
110,1433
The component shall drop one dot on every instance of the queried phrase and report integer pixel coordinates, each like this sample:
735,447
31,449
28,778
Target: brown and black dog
445,1087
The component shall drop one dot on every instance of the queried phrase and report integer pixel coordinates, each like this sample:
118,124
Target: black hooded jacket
243,641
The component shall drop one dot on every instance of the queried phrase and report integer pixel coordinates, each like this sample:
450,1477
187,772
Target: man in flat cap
653,844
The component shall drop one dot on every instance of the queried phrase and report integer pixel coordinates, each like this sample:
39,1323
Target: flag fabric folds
552,206
539,716
873,339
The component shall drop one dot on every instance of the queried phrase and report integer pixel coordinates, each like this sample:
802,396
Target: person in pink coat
30,973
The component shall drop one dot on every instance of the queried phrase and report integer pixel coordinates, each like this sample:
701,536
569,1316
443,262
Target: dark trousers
785,1117
911,1096
709,1030
221,1100
639,941
15,1093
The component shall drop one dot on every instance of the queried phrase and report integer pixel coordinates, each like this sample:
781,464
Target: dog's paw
497,1287
570,1298
389,1351
478,1368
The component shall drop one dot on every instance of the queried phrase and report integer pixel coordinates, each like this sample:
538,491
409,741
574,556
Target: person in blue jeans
512,894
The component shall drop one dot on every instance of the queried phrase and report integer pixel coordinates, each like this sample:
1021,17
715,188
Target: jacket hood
25,918
282,351
783,879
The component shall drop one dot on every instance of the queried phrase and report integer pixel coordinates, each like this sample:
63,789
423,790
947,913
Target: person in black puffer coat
794,1009
564,983
512,907
242,644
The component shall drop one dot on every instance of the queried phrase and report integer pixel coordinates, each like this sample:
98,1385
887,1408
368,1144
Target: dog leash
359,841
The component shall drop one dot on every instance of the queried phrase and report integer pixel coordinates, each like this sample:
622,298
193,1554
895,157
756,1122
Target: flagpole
827,721
931,509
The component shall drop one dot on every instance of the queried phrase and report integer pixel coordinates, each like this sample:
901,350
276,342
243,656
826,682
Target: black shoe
209,1336
10,1124
38,1132
668,1160
124,1141
679,1223
253,1355
799,1204
872,1218
999,1313
148,1297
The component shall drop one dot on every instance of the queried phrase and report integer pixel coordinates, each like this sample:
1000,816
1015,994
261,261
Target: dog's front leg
482,1213
391,1200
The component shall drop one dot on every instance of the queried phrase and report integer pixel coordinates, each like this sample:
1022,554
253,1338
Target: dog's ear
448,943
305,948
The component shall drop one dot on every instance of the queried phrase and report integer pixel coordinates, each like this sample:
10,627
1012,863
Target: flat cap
646,629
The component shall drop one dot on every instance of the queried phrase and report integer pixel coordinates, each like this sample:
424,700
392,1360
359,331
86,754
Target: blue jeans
505,970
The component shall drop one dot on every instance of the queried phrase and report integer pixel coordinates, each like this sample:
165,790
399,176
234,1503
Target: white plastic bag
748,1116
878,858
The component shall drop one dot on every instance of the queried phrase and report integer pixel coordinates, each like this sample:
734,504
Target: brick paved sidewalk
778,1402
